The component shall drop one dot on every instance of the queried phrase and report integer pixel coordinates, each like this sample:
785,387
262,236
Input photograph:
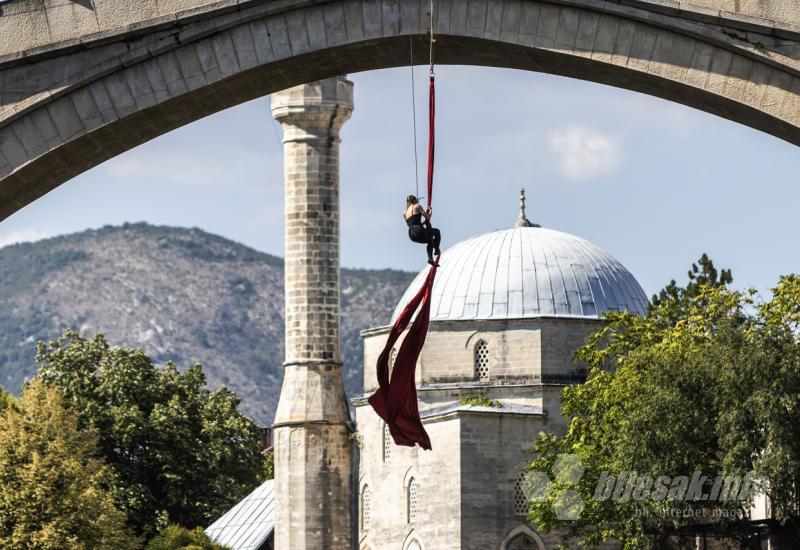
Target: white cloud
23,236
584,154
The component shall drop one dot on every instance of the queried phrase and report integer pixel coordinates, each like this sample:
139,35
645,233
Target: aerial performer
395,400
422,232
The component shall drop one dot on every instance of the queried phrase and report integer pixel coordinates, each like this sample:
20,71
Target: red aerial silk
395,401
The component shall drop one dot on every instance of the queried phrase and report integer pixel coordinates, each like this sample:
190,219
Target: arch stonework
522,529
69,105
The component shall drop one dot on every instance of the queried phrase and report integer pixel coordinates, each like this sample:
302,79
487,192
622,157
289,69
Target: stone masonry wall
30,24
437,474
530,350
313,452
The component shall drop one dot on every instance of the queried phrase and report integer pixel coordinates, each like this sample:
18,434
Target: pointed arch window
387,443
366,497
522,542
481,359
520,500
412,500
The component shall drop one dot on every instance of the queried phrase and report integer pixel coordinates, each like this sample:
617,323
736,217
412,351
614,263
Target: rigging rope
395,401
413,87
432,38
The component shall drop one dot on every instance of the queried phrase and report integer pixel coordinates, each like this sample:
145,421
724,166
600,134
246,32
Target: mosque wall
494,450
436,474
467,482
526,350
561,337
465,486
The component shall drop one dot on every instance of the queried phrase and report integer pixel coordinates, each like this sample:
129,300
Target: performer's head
411,200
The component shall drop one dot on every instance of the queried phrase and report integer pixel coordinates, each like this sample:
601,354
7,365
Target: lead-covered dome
528,272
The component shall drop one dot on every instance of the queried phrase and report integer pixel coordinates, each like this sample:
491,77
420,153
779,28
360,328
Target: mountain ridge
181,294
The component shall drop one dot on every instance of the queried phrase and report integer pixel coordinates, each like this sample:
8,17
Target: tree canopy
175,537
180,453
708,382
6,400
54,490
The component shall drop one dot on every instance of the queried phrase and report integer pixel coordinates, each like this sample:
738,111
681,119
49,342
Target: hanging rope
431,116
395,401
430,55
413,87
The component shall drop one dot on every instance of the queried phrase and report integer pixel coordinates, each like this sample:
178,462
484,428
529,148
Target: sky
652,182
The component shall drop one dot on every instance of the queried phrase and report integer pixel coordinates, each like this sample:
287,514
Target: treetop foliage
6,400
708,381
175,537
180,453
704,275
54,489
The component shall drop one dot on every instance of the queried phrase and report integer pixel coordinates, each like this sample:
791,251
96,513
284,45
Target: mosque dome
527,272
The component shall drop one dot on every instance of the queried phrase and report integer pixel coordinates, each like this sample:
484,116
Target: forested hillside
183,295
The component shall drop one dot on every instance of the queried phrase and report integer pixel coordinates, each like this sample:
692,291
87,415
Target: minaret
522,221
313,457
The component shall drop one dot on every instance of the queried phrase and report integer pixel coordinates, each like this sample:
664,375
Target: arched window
481,357
522,542
522,537
365,507
520,500
412,500
387,443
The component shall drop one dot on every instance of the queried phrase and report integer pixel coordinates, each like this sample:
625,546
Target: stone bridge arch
69,105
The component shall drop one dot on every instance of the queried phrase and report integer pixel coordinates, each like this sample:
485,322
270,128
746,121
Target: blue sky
652,182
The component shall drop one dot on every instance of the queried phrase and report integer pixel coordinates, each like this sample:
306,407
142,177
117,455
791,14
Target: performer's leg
436,239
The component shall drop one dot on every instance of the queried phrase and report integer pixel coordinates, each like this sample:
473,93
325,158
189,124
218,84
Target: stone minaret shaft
312,424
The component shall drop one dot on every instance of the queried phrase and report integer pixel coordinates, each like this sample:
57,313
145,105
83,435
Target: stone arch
66,109
411,538
410,474
474,337
521,529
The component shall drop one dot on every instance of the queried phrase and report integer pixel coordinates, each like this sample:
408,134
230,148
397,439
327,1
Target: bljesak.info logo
696,488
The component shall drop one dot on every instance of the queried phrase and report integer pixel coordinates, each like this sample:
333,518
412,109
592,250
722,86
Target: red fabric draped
395,401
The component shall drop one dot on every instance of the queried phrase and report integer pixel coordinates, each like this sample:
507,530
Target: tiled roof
528,272
247,525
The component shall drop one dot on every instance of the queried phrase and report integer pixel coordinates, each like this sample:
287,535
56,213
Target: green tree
6,400
181,453
54,490
679,298
717,390
175,537
269,466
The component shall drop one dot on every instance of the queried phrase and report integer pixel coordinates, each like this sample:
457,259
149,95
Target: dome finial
523,221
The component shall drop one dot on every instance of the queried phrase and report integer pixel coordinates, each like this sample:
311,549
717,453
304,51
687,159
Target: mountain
182,295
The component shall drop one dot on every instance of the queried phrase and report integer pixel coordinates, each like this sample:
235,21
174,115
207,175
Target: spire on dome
523,221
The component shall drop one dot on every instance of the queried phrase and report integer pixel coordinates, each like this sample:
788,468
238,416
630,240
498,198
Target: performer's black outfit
425,235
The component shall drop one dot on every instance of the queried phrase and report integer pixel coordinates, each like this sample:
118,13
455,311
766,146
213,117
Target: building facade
509,308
